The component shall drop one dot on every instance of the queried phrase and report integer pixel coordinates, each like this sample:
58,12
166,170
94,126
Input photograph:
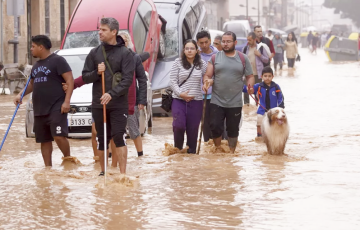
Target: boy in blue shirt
269,94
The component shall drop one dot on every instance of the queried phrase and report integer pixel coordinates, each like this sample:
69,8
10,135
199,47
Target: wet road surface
315,186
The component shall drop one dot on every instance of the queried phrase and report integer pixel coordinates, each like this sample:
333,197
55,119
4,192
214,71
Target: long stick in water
202,123
12,119
105,131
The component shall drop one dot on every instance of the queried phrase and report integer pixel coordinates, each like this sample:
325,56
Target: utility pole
258,12
284,13
247,9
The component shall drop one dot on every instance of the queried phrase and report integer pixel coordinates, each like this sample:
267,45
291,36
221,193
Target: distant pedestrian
294,36
323,39
329,35
291,50
258,58
217,43
279,51
359,44
50,102
187,106
309,38
228,68
269,35
315,42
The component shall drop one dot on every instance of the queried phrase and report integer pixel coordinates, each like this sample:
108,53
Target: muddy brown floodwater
315,186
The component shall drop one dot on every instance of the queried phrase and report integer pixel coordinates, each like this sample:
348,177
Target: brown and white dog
275,130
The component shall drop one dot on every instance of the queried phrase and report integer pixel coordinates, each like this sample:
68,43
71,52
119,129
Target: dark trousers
246,95
186,118
278,59
291,62
219,114
206,129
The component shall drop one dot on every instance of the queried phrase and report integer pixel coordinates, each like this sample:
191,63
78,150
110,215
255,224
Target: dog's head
277,116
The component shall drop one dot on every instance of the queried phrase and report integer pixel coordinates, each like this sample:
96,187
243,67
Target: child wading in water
269,94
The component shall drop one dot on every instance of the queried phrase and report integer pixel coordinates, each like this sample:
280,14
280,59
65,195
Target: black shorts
49,126
116,120
217,116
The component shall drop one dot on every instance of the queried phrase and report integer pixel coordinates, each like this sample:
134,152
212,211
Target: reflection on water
314,186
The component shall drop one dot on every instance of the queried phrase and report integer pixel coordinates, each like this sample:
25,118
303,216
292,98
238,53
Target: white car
215,33
80,118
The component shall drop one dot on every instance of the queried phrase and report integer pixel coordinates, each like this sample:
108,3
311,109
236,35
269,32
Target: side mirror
144,56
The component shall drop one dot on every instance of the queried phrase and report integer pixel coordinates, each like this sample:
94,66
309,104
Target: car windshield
76,63
83,39
238,29
168,12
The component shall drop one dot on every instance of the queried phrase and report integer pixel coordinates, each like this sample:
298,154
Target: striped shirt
178,75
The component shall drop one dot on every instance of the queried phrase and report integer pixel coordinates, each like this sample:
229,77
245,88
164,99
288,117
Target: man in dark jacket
120,60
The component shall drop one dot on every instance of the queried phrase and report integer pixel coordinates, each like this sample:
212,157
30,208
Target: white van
240,27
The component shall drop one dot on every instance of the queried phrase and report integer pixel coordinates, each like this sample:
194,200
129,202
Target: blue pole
12,119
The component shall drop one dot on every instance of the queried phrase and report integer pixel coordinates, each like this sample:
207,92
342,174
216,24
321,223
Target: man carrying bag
119,71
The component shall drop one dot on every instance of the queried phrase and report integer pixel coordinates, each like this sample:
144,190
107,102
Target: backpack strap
259,92
242,58
277,90
213,61
245,49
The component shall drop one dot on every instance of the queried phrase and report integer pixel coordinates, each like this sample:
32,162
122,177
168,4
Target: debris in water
122,180
30,164
223,148
72,159
171,150
280,158
259,139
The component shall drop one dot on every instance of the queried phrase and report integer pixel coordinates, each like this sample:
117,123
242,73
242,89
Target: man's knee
60,138
119,140
217,129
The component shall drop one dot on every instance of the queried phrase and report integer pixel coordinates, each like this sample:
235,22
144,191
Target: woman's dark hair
197,61
288,39
293,34
267,69
42,40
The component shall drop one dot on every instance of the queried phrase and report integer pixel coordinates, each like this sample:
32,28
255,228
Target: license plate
80,122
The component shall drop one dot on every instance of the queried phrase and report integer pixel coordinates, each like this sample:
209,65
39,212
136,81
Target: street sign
18,10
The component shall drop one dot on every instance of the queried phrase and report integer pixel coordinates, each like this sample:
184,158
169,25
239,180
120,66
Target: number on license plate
80,122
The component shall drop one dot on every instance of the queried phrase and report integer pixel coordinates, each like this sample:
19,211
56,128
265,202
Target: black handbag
298,58
167,98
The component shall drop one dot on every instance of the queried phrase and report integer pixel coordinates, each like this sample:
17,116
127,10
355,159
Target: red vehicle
138,17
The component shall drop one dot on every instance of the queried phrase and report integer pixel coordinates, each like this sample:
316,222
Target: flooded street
315,186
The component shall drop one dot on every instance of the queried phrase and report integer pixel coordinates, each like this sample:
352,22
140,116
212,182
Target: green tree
347,8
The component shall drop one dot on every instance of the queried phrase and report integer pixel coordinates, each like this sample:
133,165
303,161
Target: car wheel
162,47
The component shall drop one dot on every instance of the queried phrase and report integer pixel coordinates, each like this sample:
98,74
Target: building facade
217,13
49,17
